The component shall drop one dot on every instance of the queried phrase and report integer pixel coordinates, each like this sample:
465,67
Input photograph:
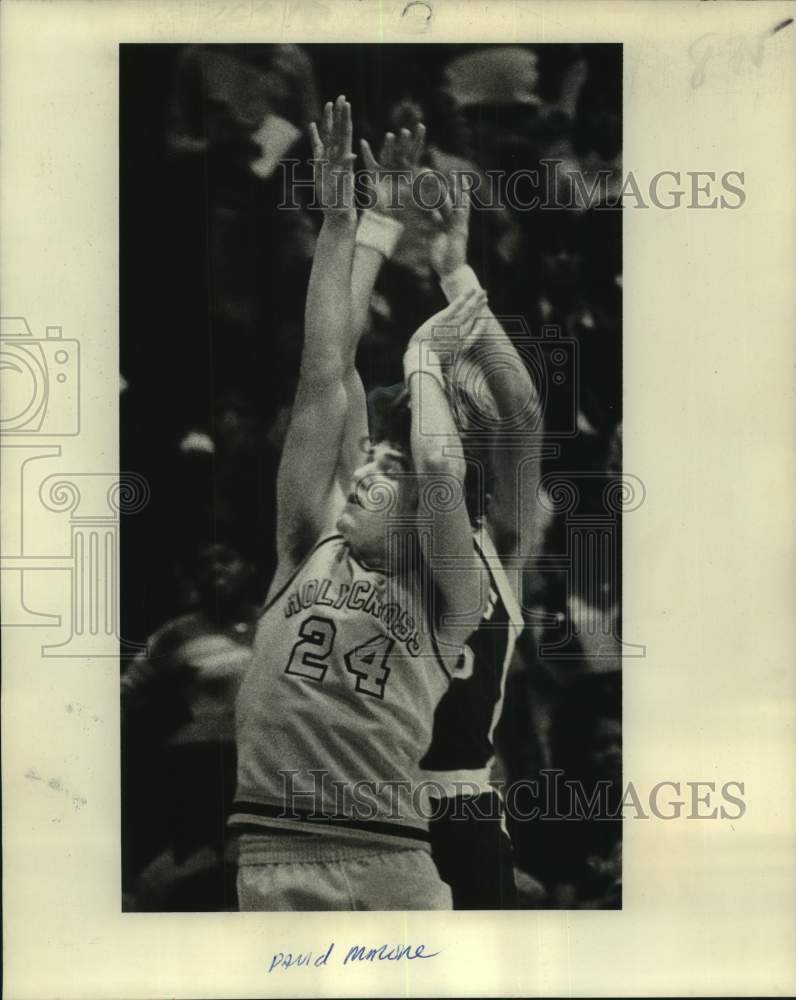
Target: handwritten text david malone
356,953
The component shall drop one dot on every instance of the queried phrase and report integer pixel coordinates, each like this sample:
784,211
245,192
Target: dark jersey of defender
467,714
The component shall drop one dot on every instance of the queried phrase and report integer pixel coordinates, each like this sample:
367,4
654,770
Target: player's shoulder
331,545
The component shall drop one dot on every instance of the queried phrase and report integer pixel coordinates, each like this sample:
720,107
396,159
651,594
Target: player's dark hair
390,416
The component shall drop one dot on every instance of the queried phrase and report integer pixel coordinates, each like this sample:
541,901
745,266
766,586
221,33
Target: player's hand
449,244
333,159
390,178
445,331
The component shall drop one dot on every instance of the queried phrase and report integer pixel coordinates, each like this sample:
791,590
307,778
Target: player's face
382,488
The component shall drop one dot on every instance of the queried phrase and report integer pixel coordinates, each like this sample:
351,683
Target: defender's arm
438,459
493,361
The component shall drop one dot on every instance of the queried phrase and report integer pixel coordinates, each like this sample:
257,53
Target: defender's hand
445,332
391,177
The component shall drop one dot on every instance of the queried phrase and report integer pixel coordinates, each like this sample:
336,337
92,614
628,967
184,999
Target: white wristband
379,232
461,280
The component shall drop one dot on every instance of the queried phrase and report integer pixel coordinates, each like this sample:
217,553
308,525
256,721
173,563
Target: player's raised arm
307,495
389,199
389,192
438,460
493,361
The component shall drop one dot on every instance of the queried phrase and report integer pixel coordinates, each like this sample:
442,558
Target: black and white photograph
396,498
379,577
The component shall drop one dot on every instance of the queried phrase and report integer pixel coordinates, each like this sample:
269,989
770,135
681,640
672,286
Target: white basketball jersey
338,702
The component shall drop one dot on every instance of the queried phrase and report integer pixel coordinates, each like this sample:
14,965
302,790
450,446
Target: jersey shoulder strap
489,555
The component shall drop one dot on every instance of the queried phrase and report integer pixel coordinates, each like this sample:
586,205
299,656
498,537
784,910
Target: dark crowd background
212,286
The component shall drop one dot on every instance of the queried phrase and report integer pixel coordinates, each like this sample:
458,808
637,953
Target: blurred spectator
178,703
225,92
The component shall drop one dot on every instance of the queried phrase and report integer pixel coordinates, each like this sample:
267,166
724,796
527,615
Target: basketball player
469,839
470,842
360,634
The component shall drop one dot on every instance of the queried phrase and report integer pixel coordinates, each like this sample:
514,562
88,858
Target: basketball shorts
316,872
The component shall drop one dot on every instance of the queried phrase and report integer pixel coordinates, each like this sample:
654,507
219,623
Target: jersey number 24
309,657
